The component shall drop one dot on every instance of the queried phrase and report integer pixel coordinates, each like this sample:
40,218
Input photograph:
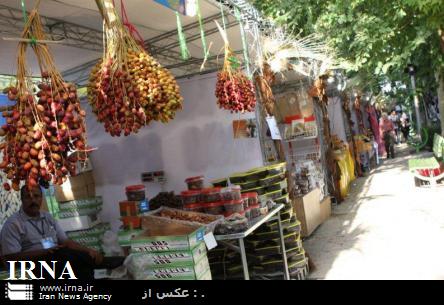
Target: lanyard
42,231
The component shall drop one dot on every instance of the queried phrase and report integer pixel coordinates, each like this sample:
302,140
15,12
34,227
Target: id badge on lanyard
48,243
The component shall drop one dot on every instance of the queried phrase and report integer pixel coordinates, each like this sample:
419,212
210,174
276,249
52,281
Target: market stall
115,159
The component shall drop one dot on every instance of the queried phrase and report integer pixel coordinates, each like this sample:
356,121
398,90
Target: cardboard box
147,260
78,187
325,209
78,223
308,211
197,272
162,235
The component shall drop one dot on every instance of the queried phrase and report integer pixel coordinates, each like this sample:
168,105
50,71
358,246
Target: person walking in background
405,126
395,118
387,132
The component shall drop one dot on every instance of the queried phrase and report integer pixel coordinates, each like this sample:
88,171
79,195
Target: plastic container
190,197
245,201
234,206
211,195
253,198
195,183
231,193
132,222
136,192
213,208
195,207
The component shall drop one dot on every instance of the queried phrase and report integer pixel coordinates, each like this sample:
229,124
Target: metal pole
284,250
244,259
417,111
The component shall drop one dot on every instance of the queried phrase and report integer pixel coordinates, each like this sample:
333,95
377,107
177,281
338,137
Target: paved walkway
386,229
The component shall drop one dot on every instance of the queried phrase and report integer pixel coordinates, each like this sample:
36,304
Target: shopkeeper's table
274,214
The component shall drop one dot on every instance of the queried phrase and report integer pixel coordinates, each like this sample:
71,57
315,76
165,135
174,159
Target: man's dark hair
25,190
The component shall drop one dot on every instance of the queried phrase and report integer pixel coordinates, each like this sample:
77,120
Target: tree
376,39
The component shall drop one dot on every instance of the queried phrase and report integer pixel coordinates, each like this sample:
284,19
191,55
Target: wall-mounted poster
245,129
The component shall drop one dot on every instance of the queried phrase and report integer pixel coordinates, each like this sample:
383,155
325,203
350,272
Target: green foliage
376,38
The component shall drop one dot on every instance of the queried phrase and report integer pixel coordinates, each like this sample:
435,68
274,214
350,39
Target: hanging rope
184,52
244,41
131,28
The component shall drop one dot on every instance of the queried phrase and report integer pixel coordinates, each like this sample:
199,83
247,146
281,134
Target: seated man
32,235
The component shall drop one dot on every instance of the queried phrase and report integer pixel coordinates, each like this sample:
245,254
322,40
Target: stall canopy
78,27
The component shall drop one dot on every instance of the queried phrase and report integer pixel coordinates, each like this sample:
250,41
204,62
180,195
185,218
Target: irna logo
26,270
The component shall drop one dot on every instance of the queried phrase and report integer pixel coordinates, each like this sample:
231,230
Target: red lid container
235,206
135,188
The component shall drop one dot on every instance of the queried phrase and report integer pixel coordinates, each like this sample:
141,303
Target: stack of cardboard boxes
76,207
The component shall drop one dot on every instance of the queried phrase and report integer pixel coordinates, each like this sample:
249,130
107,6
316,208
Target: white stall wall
337,118
198,142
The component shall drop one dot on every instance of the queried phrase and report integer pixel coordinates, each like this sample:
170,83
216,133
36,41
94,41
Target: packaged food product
274,195
136,192
253,198
283,185
295,265
249,185
234,224
270,204
255,211
190,197
195,207
283,200
220,183
268,250
195,183
296,254
248,214
230,214
311,128
263,211
131,222
234,206
213,208
245,201
231,193
294,227
133,208
276,169
269,180
211,195
259,190
209,221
